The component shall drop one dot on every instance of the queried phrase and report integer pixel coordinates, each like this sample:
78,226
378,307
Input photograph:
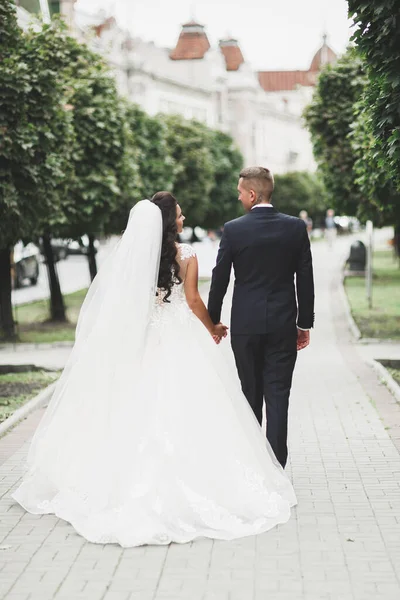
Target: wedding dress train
152,442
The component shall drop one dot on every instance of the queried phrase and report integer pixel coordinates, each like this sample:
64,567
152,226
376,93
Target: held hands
219,331
303,339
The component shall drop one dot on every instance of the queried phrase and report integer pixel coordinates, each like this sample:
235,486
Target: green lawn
17,388
34,326
395,373
383,320
393,367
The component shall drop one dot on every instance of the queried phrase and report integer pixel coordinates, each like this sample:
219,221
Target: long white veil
110,334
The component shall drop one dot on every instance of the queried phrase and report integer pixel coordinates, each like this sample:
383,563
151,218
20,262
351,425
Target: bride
148,438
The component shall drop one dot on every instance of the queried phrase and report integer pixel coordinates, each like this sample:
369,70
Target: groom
271,317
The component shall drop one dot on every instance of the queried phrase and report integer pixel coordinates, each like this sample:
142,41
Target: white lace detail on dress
176,308
186,251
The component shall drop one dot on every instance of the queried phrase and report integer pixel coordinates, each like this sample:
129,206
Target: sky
273,34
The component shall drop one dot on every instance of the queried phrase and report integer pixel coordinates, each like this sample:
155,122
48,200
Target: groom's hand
303,339
223,329
220,331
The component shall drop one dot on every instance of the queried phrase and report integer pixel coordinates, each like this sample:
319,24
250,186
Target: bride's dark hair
168,275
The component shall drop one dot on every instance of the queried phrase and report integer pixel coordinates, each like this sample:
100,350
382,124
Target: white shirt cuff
301,329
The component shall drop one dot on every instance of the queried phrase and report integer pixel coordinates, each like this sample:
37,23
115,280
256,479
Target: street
73,273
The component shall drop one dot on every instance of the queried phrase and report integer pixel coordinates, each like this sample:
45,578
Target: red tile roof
280,81
192,43
232,54
109,23
276,81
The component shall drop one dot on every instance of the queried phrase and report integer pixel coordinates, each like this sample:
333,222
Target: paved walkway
342,543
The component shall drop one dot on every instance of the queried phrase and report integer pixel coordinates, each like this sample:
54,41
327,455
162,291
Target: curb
386,378
21,347
20,414
387,341
356,333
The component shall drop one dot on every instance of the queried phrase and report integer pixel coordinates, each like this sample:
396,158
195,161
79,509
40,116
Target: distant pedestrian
330,227
307,220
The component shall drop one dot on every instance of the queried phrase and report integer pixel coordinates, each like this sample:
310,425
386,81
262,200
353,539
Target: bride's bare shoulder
186,251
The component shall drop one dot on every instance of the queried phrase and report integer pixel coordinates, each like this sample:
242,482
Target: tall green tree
189,145
104,172
377,134
36,139
301,190
46,47
13,89
372,179
129,180
154,159
330,118
227,161
377,37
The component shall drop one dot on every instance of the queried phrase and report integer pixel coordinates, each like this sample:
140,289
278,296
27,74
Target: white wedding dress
154,443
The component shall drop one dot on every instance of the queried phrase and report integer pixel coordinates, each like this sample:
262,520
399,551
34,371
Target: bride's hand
219,332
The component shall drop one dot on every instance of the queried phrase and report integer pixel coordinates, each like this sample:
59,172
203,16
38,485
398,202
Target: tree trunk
7,325
92,257
57,308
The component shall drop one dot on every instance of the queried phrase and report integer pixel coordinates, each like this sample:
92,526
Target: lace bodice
177,304
177,295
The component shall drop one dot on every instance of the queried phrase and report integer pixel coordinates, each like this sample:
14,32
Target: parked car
25,264
60,248
345,224
81,245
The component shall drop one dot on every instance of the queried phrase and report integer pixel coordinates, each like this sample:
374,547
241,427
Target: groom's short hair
259,179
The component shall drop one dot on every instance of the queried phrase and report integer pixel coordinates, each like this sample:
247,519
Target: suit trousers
265,364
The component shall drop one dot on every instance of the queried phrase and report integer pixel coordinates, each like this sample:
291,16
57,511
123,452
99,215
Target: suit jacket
267,249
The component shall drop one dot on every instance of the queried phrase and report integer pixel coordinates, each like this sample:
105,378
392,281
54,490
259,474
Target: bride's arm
194,300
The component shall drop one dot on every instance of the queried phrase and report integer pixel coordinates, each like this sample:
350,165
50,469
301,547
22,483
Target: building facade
261,110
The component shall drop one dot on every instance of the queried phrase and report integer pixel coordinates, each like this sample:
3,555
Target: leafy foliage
100,146
155,163
378,41
383,198
227,161
37,132
189,144
330,118
377,132
36,128
300,190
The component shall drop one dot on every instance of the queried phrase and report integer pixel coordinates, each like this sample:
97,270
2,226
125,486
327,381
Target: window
292,157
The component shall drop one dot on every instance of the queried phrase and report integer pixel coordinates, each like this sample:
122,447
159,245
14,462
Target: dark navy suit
269,251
